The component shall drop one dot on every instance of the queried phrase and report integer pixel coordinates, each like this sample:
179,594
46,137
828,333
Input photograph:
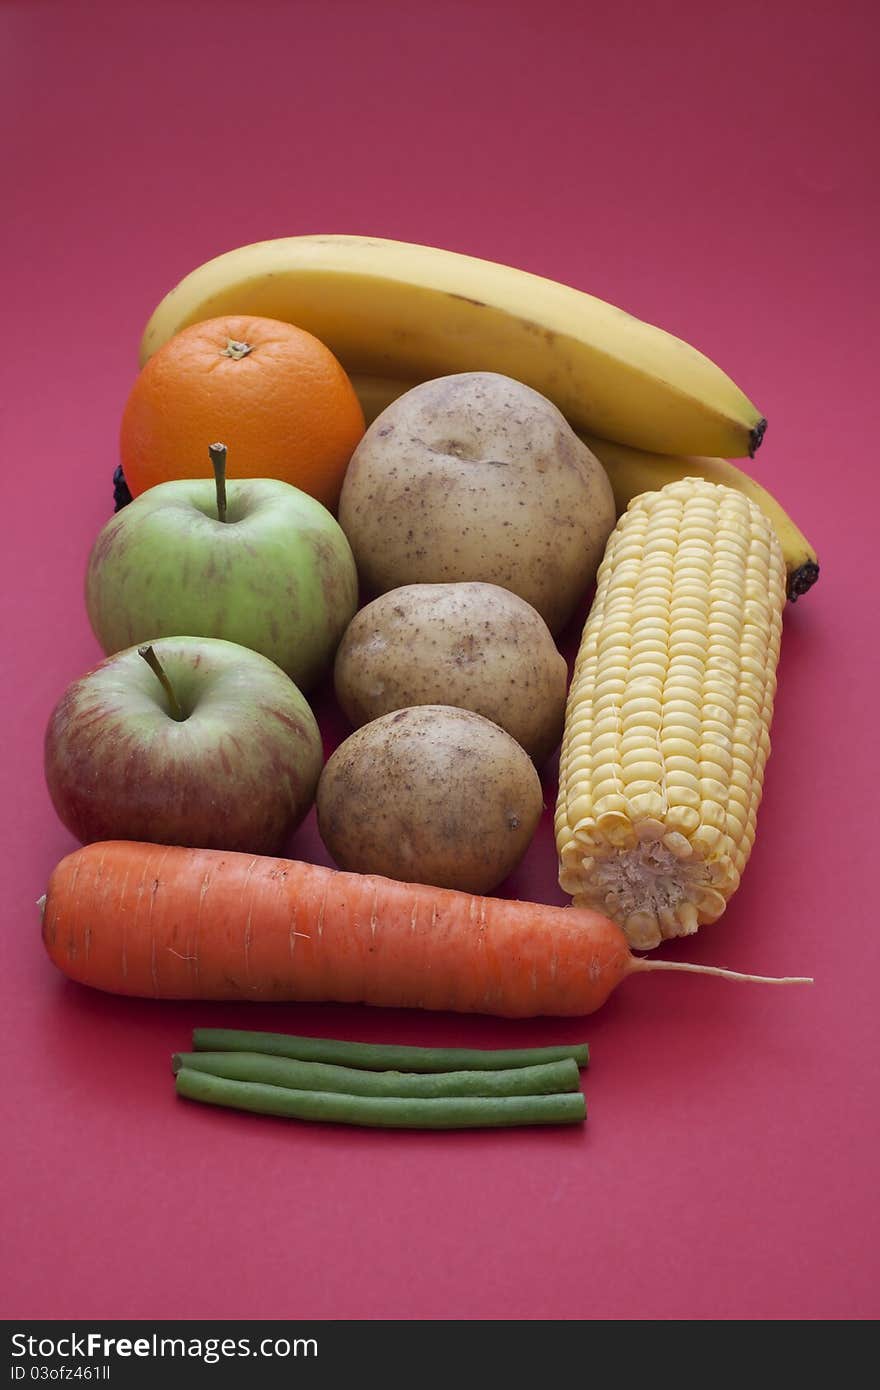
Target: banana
632,471
377,392
389,308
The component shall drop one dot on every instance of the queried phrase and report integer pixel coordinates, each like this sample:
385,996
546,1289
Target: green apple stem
218,462
155,664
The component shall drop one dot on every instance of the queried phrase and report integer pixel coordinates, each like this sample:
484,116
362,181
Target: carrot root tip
641,963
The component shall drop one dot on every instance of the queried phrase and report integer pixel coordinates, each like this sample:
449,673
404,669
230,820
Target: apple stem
155,664
218,462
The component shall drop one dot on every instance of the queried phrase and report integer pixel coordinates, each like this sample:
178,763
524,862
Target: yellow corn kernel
668,715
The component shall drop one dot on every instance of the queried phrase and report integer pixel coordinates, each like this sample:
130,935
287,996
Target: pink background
705,167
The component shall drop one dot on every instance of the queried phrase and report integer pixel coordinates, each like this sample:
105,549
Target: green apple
194,742
255,562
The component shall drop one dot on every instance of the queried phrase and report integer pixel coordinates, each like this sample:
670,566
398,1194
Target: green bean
545,1079
383,1112
382,1056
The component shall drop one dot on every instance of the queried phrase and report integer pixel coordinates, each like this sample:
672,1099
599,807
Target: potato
475,646
478,477
430,794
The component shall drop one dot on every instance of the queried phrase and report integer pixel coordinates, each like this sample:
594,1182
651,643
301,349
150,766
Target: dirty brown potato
475,646
476,476
430,794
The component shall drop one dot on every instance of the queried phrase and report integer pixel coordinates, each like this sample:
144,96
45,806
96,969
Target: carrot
172,923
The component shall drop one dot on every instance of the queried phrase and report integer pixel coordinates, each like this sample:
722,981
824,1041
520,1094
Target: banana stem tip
756,436
802,579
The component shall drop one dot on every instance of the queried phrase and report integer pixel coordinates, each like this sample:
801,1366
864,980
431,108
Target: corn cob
668,713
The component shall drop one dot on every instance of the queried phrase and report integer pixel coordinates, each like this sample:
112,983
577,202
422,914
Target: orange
272,393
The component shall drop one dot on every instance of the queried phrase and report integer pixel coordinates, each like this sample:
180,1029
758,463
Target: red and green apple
189,741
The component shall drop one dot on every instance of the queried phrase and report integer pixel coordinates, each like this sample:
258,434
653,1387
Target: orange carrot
171,923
